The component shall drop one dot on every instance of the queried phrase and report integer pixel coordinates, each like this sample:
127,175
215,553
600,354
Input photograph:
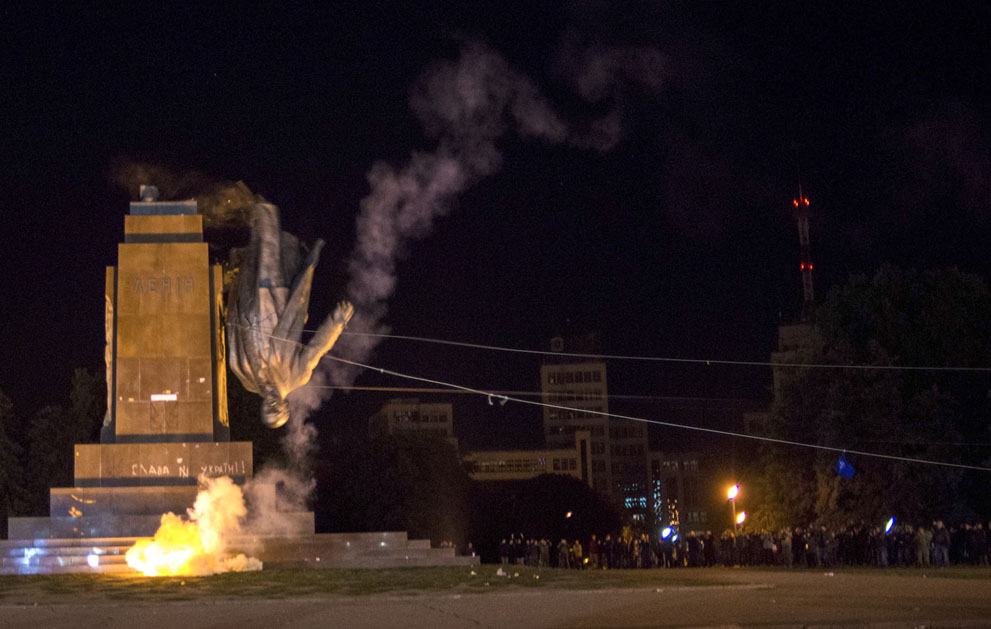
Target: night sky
651,205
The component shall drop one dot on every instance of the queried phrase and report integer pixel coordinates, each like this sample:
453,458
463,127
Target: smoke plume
198,544
222,203
468,106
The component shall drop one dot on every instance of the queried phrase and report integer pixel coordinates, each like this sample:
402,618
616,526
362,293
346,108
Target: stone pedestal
166,422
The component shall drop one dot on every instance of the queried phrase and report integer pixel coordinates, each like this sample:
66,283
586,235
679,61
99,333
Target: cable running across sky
491,395
696,361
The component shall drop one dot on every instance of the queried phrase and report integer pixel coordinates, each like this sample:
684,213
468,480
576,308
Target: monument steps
319,551
167,424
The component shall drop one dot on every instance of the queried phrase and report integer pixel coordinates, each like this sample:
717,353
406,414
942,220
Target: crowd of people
812,547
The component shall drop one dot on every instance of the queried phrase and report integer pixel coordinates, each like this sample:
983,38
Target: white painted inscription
227,468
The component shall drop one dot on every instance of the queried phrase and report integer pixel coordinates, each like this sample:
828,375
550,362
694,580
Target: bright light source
741,517
674,539
733,492
567,515
93,560
887,527
666,532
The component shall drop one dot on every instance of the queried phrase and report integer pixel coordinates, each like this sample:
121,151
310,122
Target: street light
740,518
731,494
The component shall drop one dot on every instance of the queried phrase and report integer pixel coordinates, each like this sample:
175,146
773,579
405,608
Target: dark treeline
36,453
932,319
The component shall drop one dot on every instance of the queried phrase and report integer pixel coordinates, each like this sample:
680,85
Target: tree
405,481
896,318
538,508
53,433
11,485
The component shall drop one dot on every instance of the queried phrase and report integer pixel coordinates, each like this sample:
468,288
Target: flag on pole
843,468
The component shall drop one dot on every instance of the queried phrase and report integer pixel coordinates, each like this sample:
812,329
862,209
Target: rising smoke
223,204
468,106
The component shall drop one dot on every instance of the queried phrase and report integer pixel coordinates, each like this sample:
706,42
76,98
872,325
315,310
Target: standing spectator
786,555
562,554
694,550
941,545
820,546
709,549
923,538
979,542
767,547
593,552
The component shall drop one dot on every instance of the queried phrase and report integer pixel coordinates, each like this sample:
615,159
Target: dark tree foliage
538,509
398,482
53,434
895,318
11,479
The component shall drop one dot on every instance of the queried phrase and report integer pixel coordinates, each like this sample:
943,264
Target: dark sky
641,158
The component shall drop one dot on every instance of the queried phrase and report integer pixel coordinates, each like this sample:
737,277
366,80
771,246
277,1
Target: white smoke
276,497
468,105
198,544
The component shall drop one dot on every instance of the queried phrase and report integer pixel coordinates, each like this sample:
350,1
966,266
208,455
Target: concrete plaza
747,598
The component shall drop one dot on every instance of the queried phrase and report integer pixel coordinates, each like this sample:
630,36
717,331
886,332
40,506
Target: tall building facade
678,497
575,394
502,465
412,415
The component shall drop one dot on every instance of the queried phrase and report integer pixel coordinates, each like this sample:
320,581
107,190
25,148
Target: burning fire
196,547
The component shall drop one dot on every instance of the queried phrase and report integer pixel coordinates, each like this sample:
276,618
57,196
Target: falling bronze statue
266,311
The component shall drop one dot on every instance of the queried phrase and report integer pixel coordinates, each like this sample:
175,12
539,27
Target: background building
410,414
501,465
576,398
678,495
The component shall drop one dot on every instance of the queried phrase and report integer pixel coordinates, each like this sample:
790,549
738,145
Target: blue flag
843,468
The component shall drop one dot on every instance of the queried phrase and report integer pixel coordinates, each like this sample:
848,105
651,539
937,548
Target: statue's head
275,410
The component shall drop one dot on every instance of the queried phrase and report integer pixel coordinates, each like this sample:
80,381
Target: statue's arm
324,339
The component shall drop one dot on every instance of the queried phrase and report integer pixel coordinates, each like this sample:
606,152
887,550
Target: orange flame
197,546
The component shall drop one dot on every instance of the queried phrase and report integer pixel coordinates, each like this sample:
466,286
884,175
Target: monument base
326,551
136,525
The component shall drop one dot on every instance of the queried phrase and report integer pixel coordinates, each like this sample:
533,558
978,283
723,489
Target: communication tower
801,204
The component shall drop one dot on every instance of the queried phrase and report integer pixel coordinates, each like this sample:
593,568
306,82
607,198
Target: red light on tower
801,203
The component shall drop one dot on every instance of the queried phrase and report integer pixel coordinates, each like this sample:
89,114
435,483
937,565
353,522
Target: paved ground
781,599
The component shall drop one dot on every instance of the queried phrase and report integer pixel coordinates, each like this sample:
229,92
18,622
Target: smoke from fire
197,545
468,105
